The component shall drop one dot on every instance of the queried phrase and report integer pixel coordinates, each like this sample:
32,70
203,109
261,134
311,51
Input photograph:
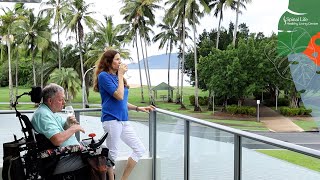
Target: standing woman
114,90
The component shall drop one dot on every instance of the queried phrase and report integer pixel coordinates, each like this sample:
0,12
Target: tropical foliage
231,63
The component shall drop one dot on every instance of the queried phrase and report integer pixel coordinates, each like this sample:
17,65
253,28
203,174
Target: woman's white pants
122,130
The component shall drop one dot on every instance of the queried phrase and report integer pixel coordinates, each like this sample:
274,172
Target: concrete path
276,122
273,120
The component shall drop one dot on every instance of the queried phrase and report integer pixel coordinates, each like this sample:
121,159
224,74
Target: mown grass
306,125
241,124
135,98
294,158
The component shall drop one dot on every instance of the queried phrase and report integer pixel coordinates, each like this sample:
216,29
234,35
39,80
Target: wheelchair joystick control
92,135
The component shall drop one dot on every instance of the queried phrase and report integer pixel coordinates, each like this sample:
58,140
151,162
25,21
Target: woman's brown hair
104,64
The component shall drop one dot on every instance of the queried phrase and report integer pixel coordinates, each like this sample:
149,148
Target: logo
298,21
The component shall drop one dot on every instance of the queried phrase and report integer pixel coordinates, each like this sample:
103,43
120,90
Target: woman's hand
123,68
146,109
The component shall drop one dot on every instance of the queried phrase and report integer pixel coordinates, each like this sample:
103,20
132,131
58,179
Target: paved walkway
276,122
273,120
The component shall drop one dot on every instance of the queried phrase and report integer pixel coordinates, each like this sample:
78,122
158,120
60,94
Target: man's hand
77,128
70,121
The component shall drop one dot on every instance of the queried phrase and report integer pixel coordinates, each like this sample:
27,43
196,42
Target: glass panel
10,125
265,162
170,144
91,122
211,153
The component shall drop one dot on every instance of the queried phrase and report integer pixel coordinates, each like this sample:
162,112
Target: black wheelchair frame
24,160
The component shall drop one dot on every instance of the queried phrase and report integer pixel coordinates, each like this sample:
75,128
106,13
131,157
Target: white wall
142,171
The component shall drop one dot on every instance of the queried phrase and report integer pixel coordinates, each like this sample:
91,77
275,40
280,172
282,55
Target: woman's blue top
112,109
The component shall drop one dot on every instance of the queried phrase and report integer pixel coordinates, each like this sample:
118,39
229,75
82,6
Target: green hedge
247,110
286,111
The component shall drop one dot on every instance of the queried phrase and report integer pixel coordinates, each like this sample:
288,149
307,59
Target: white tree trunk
236,25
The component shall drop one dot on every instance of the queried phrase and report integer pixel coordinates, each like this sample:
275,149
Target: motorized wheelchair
35,157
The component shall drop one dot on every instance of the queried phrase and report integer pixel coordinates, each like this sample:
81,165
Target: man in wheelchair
59,131
66,158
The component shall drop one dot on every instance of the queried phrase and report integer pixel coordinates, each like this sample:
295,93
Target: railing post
237,157
77,114
186,150
153,142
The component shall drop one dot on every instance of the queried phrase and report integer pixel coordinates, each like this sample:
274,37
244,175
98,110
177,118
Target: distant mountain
158,62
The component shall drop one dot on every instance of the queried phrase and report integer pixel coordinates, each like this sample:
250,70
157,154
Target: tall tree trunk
59,53
218,34
183,56
34,67
147,63
178,78
145,69
42,69
141,87
17,69
81,58
10,75
236,25
169,64
196,104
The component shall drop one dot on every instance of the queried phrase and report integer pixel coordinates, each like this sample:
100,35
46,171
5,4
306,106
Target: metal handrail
238,135
263,139
267,140
32,111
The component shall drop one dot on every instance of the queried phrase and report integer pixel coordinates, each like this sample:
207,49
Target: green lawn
135,98
241,124
294,158
306,125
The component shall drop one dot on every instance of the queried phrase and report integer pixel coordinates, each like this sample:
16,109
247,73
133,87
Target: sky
260,16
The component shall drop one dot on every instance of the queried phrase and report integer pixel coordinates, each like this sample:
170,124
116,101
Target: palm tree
67,78
167,38
77,16
237,16
56,9
144,31
36,36
21,12
7,20
130,33
106,36
140,13
193,13
217,6
178,10
182,10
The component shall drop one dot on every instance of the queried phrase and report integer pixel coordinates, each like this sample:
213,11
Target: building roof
162,86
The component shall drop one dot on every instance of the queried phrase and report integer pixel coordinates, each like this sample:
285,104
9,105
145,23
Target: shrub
192,100
232,109
247,110
203,101
286,111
